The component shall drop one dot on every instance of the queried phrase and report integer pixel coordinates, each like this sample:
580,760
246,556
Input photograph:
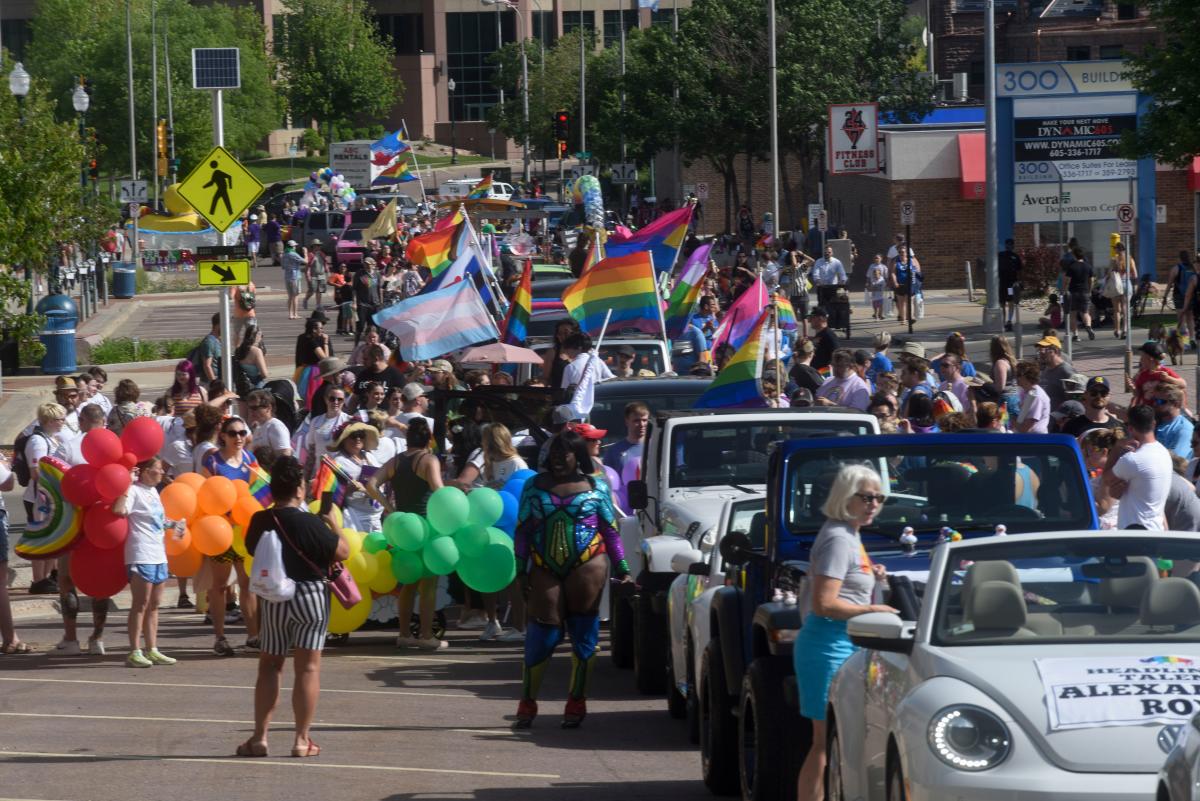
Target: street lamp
81,102
524,82
18,84
453,146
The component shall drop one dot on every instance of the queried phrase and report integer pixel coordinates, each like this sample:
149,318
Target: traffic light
562,150
94,169
562,125
161,130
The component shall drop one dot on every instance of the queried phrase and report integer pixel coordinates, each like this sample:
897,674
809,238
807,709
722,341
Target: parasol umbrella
499,353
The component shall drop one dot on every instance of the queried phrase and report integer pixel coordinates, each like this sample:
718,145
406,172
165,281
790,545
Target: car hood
1008,675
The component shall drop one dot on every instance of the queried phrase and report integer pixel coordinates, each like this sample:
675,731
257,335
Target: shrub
1039,270
115,350
312,141
31,352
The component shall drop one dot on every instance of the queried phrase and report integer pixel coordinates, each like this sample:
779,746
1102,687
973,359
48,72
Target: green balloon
491,570
441,555
407,567
405,530
471,539
486,506
374,542
448,510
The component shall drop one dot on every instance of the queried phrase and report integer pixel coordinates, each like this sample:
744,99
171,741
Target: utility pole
582,84
993,317
773,74
624,187
154,98
133,170
173,168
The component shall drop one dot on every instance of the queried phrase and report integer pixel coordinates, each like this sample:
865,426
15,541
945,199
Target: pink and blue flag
429,326
739,321
686,294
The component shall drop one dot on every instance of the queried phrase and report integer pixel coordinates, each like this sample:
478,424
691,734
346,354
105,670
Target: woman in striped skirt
310,545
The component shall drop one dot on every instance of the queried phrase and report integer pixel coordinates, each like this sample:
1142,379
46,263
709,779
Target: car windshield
1029,591
646,355
608,412
932,482
713,453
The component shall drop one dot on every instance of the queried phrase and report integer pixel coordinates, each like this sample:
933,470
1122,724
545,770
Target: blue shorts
819,650
151,574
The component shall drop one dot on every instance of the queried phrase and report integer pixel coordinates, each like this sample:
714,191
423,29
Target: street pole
453,143
678,173
133,170
993,318
624,187
170,106
524,97
773,74
226,330
582,84
154,97
499,44
542,71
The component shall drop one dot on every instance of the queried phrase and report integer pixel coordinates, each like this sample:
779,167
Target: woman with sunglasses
234,461
352,453
321,427
843,580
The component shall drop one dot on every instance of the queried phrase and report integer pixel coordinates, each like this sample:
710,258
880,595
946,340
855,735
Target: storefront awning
1194,175
972,166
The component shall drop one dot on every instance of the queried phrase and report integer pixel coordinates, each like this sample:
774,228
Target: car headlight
969,738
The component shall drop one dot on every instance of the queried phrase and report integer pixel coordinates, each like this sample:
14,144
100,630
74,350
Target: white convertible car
1041,666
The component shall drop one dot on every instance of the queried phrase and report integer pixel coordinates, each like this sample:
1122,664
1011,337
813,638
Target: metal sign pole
226,329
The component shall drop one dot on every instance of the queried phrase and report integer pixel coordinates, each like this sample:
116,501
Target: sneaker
406,642
96,646
1075,337
233,617
1008,326
157,657
185,603
221,647
433,644
252,644
1091,334
512,635
472,621
491,631
138,660
207,619
68,648
46,586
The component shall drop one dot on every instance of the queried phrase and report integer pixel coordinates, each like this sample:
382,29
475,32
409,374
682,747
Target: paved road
393,725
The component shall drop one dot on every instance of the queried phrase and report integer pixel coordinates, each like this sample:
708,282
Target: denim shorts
3,536
151,574
819,650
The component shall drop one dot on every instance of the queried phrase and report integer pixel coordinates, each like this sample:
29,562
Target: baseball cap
1067,410
818,311
802,397
440,366
564,414
1049,341
291,243
1074,384
589,431
412,391
1098,382
1153,350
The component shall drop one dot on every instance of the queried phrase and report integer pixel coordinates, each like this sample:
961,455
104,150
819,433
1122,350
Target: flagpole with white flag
587,368
498,299
416,166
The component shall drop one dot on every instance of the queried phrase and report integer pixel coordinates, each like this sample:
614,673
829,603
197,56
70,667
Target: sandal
16,648
310,750
250,749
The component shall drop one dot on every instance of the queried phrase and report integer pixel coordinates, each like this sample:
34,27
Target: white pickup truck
692,463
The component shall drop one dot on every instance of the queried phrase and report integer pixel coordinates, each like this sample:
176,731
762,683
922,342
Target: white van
461,187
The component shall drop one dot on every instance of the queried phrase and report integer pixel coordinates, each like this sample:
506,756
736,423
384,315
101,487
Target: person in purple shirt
274,234
253,237
845,387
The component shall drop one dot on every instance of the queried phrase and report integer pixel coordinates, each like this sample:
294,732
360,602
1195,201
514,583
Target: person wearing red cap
1151,373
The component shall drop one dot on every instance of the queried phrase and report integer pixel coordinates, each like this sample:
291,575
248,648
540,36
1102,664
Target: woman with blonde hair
1116,286
1004,372
493,463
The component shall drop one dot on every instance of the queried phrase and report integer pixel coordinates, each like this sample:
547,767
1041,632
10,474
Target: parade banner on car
851,138
1119,691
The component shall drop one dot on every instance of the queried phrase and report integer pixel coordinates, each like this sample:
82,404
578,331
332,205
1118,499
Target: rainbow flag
398,172
684,297
624,284
741,317
516,325
663,238
481,190
449,221
739,385
787,314
330,479
260,486
432,249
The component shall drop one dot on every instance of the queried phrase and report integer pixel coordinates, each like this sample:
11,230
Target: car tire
621,633
895,780
834,789
772,737
718,726
649,647
676,701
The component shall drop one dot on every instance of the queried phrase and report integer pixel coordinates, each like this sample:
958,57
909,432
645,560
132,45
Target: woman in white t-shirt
44,441
351,450
269,430
145,561
321,428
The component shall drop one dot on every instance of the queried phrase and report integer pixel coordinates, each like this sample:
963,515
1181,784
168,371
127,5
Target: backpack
20,465
246,299
270,579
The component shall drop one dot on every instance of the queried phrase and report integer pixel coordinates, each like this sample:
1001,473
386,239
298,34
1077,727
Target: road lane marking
293,763
415,693
283,723
428,660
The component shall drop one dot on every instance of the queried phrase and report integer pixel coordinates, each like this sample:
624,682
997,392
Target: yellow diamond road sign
235,272
220,188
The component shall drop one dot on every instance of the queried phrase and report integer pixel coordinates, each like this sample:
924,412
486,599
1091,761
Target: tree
335,65
1168,131
87,37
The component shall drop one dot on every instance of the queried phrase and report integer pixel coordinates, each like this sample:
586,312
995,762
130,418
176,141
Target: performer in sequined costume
565,538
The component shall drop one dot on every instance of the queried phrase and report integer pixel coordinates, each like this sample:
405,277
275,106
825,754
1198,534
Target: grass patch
1168,319
296,170
116,350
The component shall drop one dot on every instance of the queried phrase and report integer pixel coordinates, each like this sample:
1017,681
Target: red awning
1194,175
972,166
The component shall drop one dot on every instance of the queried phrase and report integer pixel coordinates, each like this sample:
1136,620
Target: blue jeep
752,736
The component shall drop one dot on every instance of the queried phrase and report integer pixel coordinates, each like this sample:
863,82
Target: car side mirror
735,548
882,631
636,492
685,560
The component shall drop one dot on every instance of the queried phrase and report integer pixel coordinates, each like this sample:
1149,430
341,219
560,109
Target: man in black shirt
1095,410
377,371
825,342
1079,293
1009,270
802,371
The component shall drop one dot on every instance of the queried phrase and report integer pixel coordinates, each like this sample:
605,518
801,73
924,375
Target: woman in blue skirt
842,583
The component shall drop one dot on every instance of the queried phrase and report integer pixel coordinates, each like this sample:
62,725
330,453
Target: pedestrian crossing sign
220,188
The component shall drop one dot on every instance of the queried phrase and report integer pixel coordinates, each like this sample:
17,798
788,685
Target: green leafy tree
335,66
1168,132
87,37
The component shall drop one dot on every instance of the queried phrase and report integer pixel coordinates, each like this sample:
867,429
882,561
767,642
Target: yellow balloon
362,566
355,540
384,580
239,542
344,621
248,563
315,508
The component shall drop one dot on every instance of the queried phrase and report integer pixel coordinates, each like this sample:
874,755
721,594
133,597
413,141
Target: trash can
58,334
124,280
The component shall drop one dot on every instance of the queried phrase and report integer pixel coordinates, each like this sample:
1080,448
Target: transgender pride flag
433,325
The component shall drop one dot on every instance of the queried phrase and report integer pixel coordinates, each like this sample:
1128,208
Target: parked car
662,394
1179,777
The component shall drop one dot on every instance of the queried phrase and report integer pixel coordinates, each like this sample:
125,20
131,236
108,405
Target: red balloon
143,437
79,485
104,529
111,481
98,572
127,460
101,447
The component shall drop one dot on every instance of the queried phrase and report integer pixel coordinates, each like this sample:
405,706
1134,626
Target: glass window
664,17
612,25
543,27
1066,8
571,21
470,40
1079,53
405,31
1112,51
15,36
978,5
612,397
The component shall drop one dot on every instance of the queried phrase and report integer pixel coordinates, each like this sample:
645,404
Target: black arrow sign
226,274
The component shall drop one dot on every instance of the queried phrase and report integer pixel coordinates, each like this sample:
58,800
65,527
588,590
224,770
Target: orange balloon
193,480
186,564
242,488
216,496
179,501
212,535
244,509
177,540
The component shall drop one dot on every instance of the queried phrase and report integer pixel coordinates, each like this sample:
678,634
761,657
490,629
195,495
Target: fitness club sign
852,138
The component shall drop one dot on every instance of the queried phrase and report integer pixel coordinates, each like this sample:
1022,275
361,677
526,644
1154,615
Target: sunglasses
241,432
1160,401
868,497
337,399
1097,392
260,406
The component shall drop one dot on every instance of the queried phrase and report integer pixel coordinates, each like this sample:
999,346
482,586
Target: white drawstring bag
919,305
270,581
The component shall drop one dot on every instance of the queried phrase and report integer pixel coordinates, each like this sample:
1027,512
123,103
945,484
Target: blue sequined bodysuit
559,533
